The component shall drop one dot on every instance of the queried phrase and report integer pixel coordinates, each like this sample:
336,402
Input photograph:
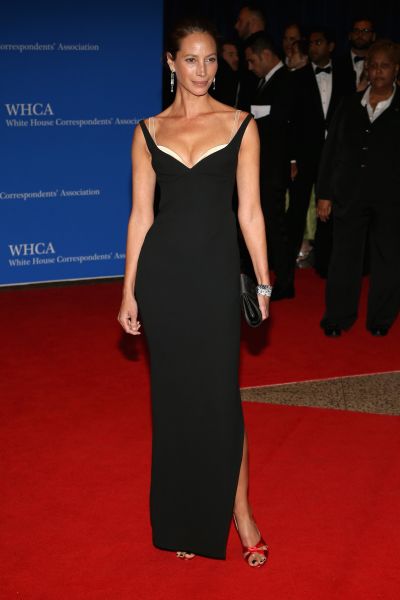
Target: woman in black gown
182,272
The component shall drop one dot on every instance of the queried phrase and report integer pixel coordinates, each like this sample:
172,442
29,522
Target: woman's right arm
326,171
140,221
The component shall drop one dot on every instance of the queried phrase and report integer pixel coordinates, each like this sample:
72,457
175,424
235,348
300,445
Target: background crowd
329,127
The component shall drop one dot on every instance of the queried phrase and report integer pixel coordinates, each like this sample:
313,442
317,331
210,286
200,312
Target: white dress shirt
324,81
380,107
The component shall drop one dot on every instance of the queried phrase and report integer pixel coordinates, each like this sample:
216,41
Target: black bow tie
358,58
323,70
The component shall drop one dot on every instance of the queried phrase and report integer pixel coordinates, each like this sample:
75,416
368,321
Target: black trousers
350,235
323,241
300,193
273,201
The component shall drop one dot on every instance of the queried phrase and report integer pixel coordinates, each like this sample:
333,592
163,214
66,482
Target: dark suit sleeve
347,74
324,189
296,116
293,133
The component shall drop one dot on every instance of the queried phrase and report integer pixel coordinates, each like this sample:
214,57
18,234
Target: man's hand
324,208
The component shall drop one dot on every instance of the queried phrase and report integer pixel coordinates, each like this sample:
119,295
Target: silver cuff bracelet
264,290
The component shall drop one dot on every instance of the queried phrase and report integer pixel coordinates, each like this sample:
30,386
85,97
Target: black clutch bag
249,301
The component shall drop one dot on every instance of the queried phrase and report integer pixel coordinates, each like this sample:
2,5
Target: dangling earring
214,83
172,80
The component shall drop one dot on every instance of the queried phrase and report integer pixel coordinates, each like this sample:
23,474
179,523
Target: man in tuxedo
250,20
319,88
352,63
272,107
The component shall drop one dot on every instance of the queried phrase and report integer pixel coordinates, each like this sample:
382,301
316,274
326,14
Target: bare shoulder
227,110
243,116
230,111
139,143
229,115
138,135
161,115
147,120
218,106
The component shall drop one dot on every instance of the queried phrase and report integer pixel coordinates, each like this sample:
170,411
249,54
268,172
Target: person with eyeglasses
353,62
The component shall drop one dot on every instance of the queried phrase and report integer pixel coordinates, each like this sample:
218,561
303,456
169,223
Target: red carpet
75,328
293,347
325,487
75,423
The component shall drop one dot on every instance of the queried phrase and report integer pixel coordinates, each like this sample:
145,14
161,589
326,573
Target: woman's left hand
263,303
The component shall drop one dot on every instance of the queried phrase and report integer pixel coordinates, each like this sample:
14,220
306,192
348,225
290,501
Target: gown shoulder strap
235,123
146,132
242,127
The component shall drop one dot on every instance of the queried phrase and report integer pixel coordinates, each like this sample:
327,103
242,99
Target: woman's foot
185,555
255,550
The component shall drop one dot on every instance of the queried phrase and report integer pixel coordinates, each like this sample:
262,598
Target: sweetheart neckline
179,158
143,124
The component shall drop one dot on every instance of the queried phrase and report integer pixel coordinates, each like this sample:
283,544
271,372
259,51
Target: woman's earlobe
170,60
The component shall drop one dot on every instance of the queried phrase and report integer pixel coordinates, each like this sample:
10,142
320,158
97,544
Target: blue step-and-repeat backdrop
76,77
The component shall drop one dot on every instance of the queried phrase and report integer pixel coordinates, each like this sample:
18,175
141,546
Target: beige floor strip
378,393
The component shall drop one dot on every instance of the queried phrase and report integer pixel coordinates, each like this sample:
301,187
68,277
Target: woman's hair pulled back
185,27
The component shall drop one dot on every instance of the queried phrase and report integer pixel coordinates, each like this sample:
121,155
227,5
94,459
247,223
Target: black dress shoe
280,293
332,330
379,330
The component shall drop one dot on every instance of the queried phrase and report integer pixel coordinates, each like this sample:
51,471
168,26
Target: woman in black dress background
182,273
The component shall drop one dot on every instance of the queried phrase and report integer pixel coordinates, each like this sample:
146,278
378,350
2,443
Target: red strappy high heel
184,555
260,548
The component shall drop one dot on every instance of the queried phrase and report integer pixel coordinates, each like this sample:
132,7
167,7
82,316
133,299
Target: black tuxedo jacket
344,66
361,160
276,130
311,124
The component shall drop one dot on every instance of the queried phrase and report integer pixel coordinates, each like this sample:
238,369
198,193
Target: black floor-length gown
187,289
